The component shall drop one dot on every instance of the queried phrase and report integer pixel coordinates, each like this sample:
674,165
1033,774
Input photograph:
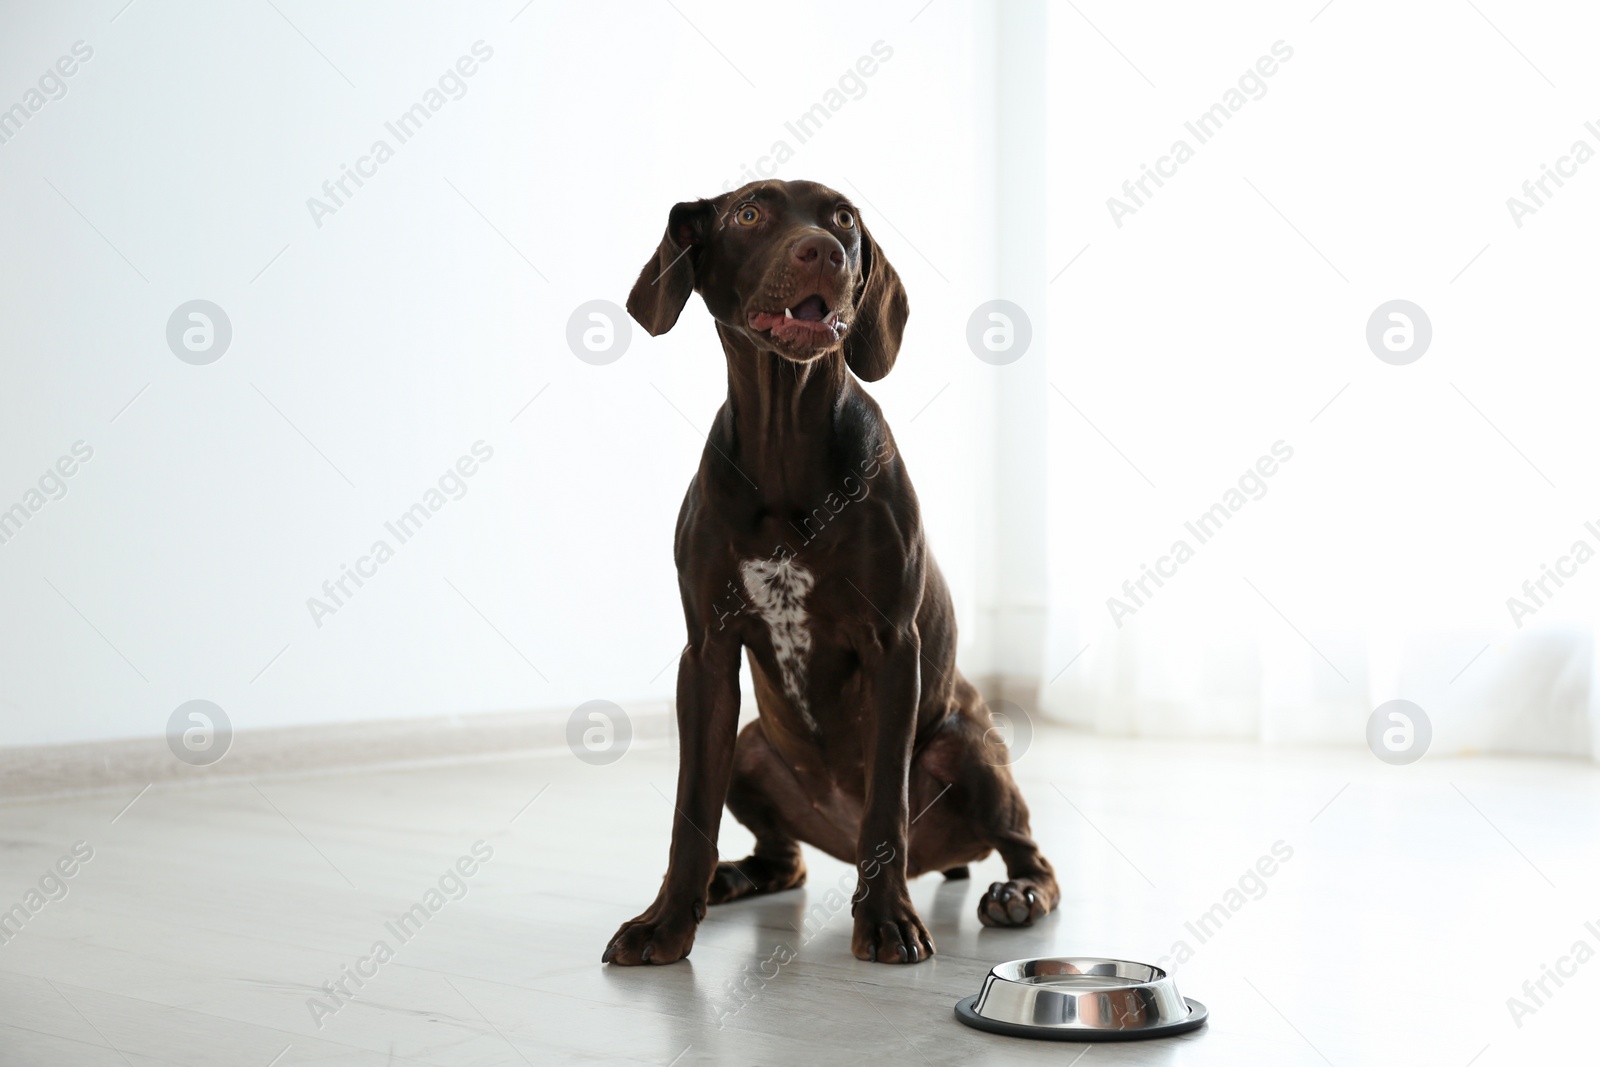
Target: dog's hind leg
775,863
996,814
1030,890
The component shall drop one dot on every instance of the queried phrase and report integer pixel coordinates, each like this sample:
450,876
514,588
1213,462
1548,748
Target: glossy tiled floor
1413,903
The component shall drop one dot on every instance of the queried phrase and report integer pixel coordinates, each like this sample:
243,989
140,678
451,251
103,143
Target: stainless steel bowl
1080,998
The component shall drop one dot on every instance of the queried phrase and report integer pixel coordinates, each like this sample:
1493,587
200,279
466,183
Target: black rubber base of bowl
1197,1018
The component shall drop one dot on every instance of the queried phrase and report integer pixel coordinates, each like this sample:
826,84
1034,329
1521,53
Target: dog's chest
777,590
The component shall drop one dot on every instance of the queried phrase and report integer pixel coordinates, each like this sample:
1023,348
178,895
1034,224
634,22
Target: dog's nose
819,249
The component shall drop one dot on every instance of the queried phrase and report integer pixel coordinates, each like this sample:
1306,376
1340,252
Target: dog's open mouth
809,323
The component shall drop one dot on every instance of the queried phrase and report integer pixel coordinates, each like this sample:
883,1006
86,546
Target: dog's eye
844,218
748,215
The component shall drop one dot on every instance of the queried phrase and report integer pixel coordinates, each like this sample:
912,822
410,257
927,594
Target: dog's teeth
787,314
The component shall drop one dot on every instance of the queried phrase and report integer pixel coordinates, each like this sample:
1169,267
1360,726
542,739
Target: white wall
1229,312
407,327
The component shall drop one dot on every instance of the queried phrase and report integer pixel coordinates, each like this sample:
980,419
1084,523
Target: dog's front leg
887,929
708,721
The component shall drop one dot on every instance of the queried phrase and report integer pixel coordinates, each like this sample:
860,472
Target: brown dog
800,542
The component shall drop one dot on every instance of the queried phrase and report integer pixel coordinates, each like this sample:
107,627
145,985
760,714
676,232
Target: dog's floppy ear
873,342
668,277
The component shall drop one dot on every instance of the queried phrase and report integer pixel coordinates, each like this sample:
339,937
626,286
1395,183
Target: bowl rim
1020,971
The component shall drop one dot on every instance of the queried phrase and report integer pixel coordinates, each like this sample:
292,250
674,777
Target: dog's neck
782,416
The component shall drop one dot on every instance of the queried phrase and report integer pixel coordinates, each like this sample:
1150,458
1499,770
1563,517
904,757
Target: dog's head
787,266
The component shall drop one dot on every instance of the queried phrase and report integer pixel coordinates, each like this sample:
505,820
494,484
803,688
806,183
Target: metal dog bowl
1080,998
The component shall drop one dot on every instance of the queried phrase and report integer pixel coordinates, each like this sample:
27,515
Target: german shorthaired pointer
800,543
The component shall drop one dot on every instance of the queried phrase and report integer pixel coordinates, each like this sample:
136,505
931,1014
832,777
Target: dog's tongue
808,320
811,309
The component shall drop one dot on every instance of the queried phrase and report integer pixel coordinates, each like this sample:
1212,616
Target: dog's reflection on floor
949,904
803,922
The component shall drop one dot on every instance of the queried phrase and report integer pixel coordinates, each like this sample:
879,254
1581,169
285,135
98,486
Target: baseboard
93,766
1021,690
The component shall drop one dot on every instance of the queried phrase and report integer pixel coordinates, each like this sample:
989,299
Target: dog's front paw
1016,903
663,934
890,933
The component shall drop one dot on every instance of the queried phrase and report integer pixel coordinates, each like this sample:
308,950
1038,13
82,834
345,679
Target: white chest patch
778,591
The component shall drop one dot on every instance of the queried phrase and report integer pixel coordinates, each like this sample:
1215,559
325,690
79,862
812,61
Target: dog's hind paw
751,876
1015,903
